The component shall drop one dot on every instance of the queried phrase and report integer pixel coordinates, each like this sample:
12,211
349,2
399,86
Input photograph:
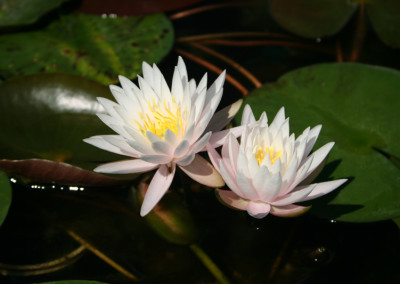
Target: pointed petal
214,157
126,167
157,188
293,197
323,188
247,116
201,143
203,172
231,199
100,142
223,117
268,186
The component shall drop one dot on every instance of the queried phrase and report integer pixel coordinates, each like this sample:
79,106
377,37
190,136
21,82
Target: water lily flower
267,170
159,128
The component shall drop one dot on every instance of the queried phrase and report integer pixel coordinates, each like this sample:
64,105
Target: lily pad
5,196
99,48
312,18
384,17
357,106
46,116
23,12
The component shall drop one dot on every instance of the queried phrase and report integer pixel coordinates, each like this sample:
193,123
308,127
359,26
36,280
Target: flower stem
211,266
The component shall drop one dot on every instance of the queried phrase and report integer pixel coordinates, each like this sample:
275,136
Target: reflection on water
54,233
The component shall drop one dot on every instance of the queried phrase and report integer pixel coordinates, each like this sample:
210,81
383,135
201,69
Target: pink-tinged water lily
163,128
266,170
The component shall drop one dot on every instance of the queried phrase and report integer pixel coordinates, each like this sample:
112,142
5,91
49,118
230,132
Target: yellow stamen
161,118
260,154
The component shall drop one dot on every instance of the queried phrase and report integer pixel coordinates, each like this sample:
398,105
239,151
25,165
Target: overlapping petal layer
265,170
163,128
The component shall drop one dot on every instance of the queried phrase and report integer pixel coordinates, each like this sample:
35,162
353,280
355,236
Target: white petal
258,209
230,179
218,138
157,188
177,88
268,186
324,188
214,157
312,138
188,159
182,148
99,142
162,147
182,69
108,106
201,143
232,200
121,143
223,117
145,149
156,159
147,91
290,210
245,186
126,167
247,116
203,172
171,138
293,197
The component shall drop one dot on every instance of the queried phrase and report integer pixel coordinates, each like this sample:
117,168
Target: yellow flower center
260,154
160,119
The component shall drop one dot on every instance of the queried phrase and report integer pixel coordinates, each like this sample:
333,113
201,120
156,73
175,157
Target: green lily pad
23,12
5,196
384,17
46,116
96,47
312,18
357,106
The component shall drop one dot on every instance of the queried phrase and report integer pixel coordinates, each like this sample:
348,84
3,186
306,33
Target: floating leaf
44,170
358,108
384,17
95,47
23,12
5,196
312,18
46,116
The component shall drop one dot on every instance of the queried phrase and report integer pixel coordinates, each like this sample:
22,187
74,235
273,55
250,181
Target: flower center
160,118
260,154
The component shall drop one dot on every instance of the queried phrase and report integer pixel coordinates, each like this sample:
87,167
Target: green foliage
47,117
312,18
23,12
320,18
92,46
357,106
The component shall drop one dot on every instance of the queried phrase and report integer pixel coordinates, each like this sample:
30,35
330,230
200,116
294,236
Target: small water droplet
318,39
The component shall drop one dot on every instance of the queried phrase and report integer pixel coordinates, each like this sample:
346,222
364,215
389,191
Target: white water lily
266,170
162,128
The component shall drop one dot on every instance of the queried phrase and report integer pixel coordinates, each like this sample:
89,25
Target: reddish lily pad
357,106
99,48
45,117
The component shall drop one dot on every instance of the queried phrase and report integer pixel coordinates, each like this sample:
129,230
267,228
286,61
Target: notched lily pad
99,48
46,117
357,106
